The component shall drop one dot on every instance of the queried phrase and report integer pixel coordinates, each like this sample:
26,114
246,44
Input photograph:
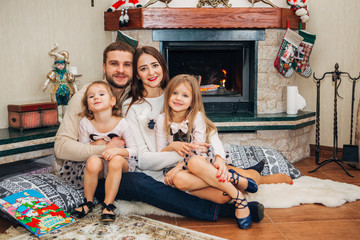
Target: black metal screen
227,64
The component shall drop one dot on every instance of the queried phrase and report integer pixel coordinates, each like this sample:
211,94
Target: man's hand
115,142
222,171
99,142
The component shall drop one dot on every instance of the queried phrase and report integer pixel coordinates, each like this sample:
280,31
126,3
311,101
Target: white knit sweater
140,117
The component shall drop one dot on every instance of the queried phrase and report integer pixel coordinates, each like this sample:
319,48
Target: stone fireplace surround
271,126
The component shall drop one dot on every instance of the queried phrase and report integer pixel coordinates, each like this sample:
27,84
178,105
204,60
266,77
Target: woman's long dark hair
137,86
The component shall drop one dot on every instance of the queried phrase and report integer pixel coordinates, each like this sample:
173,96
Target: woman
146,104
150,79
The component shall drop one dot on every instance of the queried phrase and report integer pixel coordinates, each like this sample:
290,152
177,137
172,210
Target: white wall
337,30
29,28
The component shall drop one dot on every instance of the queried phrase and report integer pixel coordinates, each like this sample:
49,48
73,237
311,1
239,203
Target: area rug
130,227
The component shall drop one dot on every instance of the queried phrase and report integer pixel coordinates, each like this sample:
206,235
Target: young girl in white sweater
184,124
102,122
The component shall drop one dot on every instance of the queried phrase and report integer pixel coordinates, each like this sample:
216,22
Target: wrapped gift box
33,115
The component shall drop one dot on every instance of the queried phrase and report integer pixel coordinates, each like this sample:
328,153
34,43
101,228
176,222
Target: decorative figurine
154,1
124,5
264,1
64,81
300,9
213,3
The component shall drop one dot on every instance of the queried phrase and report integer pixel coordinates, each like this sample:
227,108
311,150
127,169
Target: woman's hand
170,174
222,170
181,148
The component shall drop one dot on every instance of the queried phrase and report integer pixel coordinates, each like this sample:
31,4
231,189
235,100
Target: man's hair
117,46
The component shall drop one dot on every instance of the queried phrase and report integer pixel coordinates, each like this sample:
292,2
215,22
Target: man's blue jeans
138,186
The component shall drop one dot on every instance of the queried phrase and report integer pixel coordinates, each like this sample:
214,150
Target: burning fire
224,80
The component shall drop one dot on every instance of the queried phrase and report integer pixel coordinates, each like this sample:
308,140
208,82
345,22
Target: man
117,67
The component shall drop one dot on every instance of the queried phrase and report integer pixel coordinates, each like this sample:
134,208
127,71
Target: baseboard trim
325,151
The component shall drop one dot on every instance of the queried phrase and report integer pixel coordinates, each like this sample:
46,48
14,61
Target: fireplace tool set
350,152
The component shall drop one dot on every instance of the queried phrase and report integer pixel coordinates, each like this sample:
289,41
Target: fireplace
224,61
225,70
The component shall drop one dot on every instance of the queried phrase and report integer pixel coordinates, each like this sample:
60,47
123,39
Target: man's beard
112,83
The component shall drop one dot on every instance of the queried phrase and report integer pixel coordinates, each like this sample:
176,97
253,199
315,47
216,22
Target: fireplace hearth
224,60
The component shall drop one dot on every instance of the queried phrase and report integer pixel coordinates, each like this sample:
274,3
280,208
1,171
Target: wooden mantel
163,18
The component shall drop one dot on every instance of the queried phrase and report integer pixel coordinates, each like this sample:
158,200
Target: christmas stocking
302,55
286,52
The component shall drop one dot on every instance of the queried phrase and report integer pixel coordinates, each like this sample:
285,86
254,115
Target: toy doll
64,81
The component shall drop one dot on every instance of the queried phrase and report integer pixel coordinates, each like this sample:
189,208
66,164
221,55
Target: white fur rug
304,190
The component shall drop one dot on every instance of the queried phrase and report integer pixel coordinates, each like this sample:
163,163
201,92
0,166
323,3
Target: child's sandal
107,217
82,213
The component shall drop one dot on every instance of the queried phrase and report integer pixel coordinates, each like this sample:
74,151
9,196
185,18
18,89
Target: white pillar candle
291,97
73,70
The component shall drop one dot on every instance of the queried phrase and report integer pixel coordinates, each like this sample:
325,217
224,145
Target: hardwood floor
310,221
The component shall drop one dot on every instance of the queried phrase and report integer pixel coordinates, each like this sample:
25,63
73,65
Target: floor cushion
248,156
51,186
